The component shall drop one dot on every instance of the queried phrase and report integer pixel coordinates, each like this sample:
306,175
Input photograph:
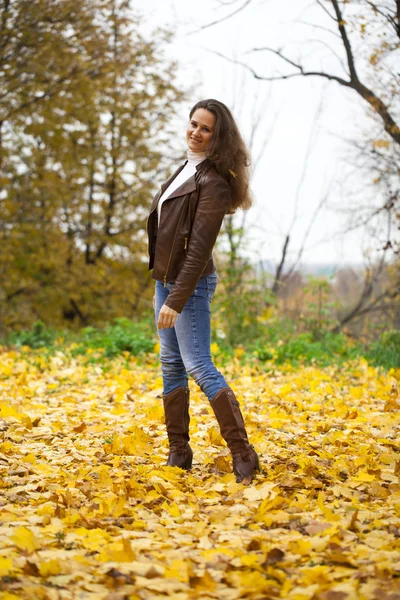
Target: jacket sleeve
214,201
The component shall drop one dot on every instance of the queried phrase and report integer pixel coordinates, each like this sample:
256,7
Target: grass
276,345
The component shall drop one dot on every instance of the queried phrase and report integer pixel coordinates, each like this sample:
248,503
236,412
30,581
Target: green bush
303,348
385,351
123,335
38,337
276,343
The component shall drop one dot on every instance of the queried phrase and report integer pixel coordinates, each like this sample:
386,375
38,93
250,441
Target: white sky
289,112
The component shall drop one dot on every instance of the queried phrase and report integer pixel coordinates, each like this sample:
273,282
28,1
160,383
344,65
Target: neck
195,157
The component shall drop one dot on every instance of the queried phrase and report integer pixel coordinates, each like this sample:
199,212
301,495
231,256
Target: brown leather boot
230,420
176,409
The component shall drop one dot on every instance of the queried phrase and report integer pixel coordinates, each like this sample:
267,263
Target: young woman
183,224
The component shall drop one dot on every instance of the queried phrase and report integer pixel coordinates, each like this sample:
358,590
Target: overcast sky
299,117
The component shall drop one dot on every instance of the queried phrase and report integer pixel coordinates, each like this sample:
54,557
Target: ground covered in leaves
88,510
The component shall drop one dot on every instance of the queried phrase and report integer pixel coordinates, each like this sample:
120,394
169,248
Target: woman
183,224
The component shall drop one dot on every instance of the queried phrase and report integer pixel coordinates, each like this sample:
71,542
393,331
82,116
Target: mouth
196,141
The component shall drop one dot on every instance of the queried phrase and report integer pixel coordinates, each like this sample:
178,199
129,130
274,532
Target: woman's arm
213,203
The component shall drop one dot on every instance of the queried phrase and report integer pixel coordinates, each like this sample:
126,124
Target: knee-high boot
176,410
231,423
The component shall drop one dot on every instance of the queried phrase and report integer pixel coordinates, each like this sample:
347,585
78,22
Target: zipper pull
185,246
165,281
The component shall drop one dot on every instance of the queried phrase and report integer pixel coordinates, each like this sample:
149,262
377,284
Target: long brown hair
228,152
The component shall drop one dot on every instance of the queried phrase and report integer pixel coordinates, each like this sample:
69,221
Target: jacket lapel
170,180
164,187
186,187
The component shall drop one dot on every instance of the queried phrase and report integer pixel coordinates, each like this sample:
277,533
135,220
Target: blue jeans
185,348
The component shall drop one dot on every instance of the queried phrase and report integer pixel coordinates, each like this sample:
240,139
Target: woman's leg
175,392
193,334
173,370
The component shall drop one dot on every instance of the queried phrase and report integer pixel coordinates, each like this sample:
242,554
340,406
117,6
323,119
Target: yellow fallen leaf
250,560
173,509
215,437
177,570
204,583
6,565
7,410
138,443
51,567
24,539
92,539
365,477
356,392
329,515
317,574
117,552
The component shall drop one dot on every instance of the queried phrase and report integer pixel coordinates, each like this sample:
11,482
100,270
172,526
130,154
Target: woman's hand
167,317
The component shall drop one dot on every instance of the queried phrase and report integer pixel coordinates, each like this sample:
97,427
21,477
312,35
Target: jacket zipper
172,248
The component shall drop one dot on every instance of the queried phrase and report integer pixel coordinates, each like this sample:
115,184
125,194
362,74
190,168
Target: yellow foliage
90,505
6,566
214,348
24,539
51,567
178,570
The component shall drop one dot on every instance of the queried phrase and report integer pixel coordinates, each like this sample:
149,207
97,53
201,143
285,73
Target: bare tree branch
346,42
278,274
298,66
390,125
373,100
232,14
325,9
366,302
390,18
307,232
321,27
398,17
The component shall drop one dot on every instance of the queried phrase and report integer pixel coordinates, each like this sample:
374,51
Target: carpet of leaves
88,511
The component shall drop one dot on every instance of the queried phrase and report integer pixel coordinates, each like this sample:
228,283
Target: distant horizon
310,268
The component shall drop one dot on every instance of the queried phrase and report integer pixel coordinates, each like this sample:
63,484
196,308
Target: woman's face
200,130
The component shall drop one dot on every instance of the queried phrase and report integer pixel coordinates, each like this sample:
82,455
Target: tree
80,150
367,36
364,38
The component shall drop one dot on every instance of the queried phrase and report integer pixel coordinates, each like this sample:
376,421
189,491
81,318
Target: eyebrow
202,124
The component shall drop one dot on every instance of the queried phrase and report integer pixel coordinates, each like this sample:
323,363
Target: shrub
303,348
37,337
123,335
386,350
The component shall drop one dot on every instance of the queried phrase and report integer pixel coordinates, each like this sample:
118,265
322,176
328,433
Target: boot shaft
177,418
230,420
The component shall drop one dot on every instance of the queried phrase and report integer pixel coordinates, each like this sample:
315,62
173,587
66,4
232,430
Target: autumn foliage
86,102
89,511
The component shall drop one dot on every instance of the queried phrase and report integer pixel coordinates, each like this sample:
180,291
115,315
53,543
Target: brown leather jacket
180,250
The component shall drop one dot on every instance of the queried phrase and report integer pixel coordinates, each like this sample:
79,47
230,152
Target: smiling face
200,130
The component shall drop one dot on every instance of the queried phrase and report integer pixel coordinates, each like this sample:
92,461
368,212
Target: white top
194,158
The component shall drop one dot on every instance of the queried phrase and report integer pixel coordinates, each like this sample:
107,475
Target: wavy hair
228,152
